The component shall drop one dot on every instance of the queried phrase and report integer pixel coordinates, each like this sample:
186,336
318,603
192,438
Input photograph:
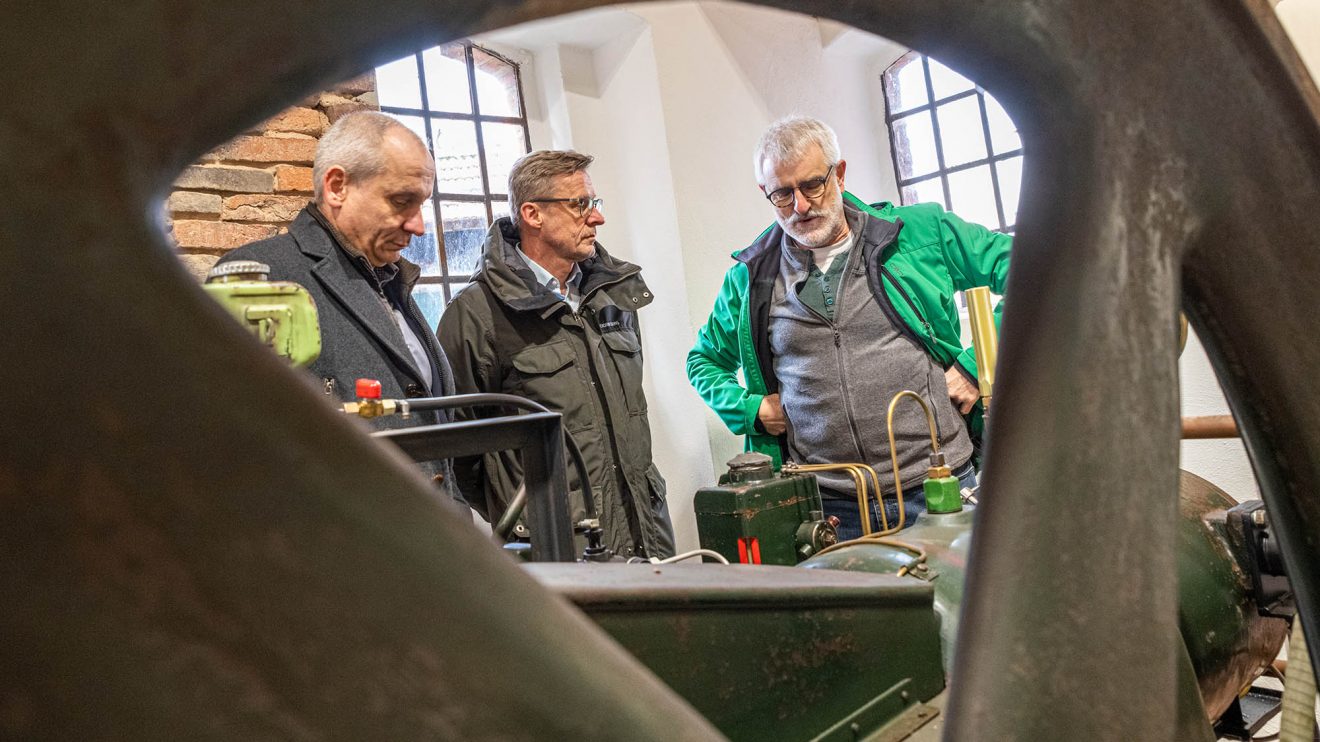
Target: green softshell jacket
914,279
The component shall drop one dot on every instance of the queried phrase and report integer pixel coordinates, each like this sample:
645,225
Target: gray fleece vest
837,379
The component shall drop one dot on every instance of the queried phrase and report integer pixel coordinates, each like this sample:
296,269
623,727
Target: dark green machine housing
772,653
755,516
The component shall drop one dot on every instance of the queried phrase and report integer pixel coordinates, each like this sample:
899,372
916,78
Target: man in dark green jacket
835,309
551,316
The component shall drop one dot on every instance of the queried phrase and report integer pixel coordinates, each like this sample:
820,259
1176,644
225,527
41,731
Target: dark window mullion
931,106
430,145
471,198
939,144
481,138
452,116
989,148
959,168
522,106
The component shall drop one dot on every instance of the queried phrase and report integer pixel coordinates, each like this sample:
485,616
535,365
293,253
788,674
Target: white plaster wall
671,98
625,128
721,85
1301,19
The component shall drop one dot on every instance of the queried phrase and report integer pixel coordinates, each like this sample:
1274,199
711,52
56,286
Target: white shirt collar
571,292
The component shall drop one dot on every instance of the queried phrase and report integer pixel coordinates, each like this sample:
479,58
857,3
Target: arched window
466,103
952,143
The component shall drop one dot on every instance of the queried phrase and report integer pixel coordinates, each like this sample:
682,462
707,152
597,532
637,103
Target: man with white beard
832,311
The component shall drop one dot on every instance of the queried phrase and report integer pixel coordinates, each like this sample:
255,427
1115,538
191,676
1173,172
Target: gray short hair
532,173
354,143
790,137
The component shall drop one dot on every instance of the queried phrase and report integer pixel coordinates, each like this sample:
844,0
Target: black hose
514,511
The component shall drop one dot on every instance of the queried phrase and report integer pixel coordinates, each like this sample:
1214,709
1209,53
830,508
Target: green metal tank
1228,640
756,516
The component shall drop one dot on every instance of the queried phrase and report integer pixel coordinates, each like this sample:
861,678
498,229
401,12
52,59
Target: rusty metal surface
1228,642
210,560
662,587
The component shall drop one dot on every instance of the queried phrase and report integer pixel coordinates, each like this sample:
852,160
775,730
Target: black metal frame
538,438
487,197
929,108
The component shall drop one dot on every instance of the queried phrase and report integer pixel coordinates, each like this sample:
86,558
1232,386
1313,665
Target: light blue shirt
571,292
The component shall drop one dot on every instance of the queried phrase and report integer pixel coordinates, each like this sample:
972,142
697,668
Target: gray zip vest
836,380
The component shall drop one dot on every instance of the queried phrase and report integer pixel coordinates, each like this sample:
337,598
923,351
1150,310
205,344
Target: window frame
992,159
446,279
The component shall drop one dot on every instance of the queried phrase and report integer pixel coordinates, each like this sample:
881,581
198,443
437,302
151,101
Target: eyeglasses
583,205
810,189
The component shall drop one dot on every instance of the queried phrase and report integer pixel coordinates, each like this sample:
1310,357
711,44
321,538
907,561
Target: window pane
422,250
415,124
456,164
497,84
907,84
505,143
926,191
430,298
946,82
500,207
961,132
973,196
1010,186
1003,132
397,85
465,234
914,143
446,79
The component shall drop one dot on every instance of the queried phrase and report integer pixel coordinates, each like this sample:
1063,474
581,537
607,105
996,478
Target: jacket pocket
659,527
626,355
549,374
623,341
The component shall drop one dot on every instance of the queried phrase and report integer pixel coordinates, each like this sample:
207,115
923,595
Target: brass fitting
371,407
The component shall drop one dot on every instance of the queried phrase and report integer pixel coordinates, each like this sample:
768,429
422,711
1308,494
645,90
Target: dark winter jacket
505,332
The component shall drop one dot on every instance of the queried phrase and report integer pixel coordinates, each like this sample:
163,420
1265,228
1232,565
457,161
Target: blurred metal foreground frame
192,544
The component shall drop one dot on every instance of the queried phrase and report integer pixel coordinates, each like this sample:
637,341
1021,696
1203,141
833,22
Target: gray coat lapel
343,281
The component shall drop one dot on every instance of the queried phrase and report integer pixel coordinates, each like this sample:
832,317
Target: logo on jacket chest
613,319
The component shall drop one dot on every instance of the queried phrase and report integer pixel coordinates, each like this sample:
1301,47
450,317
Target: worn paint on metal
1189,170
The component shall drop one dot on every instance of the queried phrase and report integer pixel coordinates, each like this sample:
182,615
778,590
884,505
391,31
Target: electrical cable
690,554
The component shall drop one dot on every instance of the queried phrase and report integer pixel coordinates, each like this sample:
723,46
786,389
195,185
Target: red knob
368,389
833,520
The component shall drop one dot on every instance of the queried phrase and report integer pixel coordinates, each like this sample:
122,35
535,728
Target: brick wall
252,186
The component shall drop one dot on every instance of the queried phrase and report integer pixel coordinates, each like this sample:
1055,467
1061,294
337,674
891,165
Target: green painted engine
857,640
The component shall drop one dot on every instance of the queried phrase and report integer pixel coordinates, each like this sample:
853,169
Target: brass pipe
859,483
1209,426
885,529
893,445
985,339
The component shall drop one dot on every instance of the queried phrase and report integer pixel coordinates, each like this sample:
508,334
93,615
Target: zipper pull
836,337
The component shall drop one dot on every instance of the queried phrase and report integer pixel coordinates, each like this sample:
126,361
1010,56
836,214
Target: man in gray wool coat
370,179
